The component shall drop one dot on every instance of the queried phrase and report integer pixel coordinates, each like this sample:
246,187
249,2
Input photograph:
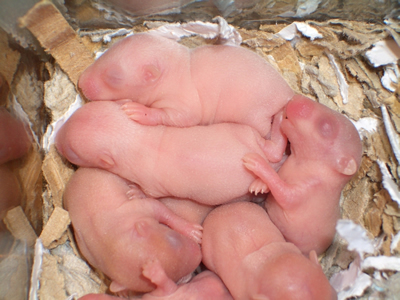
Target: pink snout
299,107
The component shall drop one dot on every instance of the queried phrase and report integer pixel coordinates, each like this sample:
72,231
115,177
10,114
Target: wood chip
19,226
55,227
56,174
8,59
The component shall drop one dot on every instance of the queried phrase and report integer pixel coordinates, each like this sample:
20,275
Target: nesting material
63,43
328,61
55,227
19,226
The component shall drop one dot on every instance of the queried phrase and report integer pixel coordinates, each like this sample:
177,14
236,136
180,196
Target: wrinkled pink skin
201,163
190,210
14,140
172,85
325,153
118,232
205,286
250,255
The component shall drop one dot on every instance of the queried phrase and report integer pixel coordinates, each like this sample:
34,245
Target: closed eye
327,128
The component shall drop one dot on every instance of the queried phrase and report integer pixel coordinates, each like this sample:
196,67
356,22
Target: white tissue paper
36,269
222,29
366,125
343,85
392,134
52,129
383,53
291,31
356,236
351,282
388,183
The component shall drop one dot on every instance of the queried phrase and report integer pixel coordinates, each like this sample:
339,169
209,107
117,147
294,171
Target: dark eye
327,128
113,77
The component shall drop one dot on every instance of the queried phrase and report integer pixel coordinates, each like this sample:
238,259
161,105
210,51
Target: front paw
141,113
258,187
135,192
196,233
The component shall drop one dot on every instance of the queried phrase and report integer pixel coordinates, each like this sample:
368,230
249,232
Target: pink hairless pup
201,163
204,286
119,234
325,153
246,250
172,85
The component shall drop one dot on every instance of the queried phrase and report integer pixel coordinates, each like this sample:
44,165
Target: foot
165,216
274,148
153,270
135,192
143,114
258,187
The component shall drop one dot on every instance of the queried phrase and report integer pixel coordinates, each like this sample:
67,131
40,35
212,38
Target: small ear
115,287
106,161
151,73
346,166
313,257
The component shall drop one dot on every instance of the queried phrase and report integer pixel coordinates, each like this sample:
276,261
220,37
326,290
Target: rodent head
82,139
317,132
134,241
131,68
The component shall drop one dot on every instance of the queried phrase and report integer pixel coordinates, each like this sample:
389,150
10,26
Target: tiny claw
198,227
130,194
134,192
196,235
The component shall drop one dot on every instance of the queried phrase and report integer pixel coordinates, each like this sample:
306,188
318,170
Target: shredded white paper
52,129
351,282
346,278
390,77
395,242
343,86
222,29
383,53
106,35
366,125
356,236
36,270
361,283
388,183
393,136
390,263
291,31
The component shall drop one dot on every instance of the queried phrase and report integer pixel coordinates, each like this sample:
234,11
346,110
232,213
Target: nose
299,107
63,147
89,86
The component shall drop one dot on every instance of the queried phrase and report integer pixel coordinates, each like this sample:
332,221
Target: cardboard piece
19,226
63,44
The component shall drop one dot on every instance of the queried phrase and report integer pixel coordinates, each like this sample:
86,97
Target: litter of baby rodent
334,61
